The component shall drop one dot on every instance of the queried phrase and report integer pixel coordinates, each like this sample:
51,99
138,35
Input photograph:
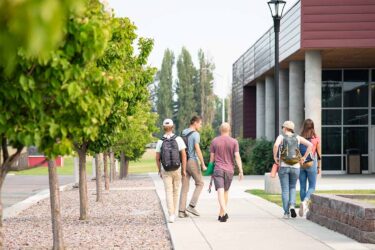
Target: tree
22,120
187,77
131,145
165,89
218,119
119,60
205,96
62,101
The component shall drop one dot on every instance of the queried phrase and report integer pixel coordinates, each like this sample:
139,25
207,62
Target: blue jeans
288,179
308,174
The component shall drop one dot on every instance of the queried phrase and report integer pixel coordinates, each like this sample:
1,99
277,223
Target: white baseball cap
167,123
289,125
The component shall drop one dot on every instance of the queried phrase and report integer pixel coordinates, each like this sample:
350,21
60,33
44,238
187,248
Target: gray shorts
222,179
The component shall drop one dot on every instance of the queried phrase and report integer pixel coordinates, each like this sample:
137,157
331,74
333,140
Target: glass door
372,149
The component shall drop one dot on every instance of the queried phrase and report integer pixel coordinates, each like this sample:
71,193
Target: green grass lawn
276,198
145,165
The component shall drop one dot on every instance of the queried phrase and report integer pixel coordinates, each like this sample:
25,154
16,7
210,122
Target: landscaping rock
126,219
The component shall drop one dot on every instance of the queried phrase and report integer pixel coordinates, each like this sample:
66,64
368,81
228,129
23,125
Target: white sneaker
302,208
171,218
286,216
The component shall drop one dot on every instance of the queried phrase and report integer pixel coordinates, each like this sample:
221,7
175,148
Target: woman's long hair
308,130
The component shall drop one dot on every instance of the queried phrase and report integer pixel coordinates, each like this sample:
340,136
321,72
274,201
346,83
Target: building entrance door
372,150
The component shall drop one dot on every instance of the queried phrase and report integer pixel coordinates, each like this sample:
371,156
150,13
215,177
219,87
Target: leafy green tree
187,77
207,135
165,88
131,145
119,60
35,26
205,97
67,97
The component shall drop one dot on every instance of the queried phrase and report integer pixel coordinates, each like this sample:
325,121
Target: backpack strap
188,134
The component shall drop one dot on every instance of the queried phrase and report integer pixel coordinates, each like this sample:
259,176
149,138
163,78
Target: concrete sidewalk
253,224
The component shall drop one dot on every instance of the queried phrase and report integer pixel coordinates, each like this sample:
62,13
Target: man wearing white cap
170,156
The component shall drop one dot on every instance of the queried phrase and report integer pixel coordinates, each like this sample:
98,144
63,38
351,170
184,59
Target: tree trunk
83,198
126,166
122,166
98,178
54,190
112,166
106,176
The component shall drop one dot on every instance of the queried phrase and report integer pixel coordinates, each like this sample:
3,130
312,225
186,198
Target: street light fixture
276,8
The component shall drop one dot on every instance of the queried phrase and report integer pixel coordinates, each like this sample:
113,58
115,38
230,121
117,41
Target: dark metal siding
260,58
237,98
249,112
338,24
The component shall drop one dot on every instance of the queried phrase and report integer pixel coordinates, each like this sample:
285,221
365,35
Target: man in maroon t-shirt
224,151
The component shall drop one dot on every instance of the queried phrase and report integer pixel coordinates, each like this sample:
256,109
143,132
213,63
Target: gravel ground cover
126,219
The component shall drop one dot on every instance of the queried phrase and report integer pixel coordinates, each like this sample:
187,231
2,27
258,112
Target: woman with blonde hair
310,168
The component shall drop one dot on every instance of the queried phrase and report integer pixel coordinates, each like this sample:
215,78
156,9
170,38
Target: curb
17,208
164,209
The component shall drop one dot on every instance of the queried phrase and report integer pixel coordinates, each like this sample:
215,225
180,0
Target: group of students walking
297,158
179,158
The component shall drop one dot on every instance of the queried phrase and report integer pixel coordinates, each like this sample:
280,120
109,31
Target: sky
223,29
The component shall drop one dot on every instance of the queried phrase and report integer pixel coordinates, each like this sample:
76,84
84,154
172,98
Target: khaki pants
192,170
172,181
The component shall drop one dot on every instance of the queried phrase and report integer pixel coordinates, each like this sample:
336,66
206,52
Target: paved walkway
19,187
255,223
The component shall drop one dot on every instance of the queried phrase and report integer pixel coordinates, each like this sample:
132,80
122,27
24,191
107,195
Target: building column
313,89
296,93
270,109
283,97
260,109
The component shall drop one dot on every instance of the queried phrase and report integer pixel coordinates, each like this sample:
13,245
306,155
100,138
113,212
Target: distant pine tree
187,78
164,93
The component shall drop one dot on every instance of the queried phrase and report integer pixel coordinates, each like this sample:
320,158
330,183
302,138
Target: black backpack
169,154
186,140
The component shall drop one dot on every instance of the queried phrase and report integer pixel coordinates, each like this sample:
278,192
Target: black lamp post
277,8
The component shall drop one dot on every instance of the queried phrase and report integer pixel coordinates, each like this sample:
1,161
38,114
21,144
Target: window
356,117
331,140
373,94
355,88
331,162
331,94
356,138
331,116
348,102
354,75
331,88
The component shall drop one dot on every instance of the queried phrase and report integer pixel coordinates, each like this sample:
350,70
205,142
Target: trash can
353,161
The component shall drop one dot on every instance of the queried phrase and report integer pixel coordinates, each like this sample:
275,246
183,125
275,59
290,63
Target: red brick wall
337,24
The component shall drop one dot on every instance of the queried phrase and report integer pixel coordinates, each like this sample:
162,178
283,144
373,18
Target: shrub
207,135
246,146
261,157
